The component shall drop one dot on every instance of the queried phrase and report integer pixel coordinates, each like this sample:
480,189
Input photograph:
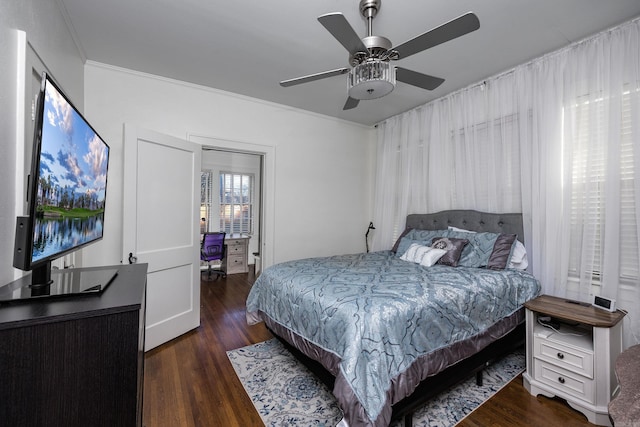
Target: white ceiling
249,46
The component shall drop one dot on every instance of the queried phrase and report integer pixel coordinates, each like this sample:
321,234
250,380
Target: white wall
46,31
323,166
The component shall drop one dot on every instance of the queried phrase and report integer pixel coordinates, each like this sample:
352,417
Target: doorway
231,189
264,215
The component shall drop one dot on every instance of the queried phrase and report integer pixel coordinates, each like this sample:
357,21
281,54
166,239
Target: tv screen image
66,200
71,181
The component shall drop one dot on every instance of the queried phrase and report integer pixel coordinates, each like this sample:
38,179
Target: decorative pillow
518,259
423,255
404,233
501,253
478,251
453,248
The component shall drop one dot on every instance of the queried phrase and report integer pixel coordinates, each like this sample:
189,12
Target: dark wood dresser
75,361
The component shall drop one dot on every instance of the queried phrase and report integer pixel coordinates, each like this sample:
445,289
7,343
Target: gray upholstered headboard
510,223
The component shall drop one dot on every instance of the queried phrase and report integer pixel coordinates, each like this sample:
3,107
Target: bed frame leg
479,378
408,420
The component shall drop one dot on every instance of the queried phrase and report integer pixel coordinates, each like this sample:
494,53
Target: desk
237,250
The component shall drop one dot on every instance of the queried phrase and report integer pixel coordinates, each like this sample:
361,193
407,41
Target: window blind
589,149
236,202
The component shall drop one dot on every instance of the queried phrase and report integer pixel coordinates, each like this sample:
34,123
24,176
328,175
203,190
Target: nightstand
575,360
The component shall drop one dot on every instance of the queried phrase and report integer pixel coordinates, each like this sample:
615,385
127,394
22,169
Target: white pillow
423,255
518,259
452,228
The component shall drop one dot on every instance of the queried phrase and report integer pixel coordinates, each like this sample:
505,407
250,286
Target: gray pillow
501,253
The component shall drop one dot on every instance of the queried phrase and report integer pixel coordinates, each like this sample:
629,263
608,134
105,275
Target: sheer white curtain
557,139
459,152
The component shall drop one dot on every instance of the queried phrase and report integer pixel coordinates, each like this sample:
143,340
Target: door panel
175,281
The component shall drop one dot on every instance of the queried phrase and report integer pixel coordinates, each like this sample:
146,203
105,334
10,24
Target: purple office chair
213,249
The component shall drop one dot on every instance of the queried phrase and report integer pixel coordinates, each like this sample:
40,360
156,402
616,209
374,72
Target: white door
161,227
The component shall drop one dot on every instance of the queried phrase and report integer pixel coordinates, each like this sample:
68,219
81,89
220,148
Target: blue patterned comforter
378,313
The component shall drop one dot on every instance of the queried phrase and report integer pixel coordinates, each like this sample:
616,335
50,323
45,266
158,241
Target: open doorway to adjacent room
259,159
231,201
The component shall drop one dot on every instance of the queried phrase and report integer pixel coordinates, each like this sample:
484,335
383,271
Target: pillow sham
426,235
423,255
501,253
518,259
453,248
404,244
404,233
478,251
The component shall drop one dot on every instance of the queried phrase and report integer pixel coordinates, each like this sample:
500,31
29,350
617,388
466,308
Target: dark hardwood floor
189,381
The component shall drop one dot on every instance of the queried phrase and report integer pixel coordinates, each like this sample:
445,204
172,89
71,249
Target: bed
389,327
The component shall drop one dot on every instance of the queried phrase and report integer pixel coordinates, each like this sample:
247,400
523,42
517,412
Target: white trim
72,30
21,88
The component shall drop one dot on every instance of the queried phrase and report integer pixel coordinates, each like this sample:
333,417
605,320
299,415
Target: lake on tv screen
55,235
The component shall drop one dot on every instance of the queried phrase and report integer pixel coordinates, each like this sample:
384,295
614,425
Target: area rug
286,394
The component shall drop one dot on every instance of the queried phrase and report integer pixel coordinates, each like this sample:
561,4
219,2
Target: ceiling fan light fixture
372,79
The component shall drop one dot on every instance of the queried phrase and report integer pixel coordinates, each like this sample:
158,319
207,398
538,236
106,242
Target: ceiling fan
371,74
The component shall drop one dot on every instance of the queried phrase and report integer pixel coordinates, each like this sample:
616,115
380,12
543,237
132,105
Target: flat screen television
66,197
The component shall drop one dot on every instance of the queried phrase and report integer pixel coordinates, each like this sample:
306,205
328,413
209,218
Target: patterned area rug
286,394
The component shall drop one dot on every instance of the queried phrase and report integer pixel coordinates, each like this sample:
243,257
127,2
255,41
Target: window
231,210
236,202
592,151
206,201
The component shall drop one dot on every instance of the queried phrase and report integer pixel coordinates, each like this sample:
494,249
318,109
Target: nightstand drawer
569,358
565,381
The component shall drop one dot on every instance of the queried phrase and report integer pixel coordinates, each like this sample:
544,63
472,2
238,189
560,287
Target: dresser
75,361
236,254
571,351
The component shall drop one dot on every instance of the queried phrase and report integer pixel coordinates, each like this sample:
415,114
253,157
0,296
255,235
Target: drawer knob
560,356
561,380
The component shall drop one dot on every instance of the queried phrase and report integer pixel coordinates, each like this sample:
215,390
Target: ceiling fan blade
414,78
312,77
351,103
455,28
340,28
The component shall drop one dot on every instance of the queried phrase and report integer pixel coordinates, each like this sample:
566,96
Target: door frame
267,205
